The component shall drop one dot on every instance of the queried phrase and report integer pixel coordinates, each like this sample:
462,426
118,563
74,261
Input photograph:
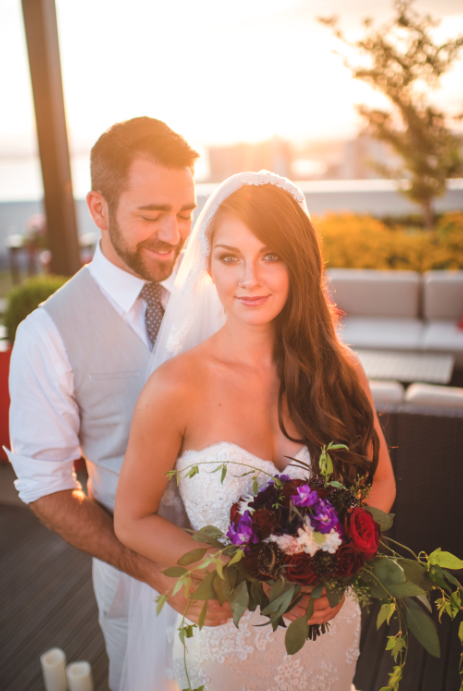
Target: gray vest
109,364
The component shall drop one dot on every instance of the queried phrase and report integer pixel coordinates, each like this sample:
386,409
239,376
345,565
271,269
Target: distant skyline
216,71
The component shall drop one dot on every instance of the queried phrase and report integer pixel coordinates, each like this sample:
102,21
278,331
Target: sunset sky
215,70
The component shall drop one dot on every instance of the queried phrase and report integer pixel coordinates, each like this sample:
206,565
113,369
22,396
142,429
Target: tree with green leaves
401,60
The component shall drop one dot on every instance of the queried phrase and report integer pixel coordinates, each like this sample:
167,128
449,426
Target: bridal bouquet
315,534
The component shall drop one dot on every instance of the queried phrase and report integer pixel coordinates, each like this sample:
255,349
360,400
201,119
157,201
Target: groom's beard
137,260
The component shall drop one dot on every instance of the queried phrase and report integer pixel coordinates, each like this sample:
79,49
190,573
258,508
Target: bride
258,375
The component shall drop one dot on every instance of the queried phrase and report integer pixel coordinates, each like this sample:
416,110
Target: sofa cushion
395,334
372,293
436,396
384,392
443,295
444,336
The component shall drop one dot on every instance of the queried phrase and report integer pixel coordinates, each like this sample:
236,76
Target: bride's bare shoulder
180,376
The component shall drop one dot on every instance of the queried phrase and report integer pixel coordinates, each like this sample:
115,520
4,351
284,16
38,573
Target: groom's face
152,220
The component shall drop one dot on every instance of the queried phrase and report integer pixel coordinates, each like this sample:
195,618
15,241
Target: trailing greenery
398,59
25,298
363,242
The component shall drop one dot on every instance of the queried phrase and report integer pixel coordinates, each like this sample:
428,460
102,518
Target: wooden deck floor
46,601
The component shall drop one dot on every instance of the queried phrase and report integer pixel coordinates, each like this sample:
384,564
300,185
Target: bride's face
252,281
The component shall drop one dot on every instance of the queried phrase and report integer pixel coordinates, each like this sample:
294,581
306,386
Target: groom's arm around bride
79,361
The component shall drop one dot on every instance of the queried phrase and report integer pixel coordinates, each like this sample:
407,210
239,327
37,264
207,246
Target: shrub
364,242
27,297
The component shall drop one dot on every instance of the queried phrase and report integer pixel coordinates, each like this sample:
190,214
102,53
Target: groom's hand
323,612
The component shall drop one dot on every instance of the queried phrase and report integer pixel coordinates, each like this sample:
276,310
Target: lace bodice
206,500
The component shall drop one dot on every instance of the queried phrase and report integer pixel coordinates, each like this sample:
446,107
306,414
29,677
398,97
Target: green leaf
335,596
193,471
205,590
423,628
460,632
317,591
384,520
436,575
255,486
236,557
329,465
405,590
335,447
424,601
222,588
416,573
286,600
277,589
202,616
212,531
445,559
310,609
174,572
451,578
395,677
388,572
191,557
239,600
376,589
223,474
296,635
385,614
275,604
161,600
335,483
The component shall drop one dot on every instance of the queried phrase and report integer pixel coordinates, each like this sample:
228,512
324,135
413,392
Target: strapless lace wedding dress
224,658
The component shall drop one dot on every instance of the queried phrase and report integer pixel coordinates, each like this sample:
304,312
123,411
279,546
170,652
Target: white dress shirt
44,416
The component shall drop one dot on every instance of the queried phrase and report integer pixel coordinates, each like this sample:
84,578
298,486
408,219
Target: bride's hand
323,612
216,615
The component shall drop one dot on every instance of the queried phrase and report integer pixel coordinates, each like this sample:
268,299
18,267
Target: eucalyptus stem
404,547
245,465
184,645
396,554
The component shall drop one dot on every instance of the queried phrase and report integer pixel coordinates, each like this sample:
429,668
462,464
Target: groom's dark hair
113,153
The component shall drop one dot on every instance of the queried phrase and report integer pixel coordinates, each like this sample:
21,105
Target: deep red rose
299,569
235,512
349,561
264,521
363,531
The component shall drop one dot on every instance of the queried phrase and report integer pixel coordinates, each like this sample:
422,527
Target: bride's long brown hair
318,382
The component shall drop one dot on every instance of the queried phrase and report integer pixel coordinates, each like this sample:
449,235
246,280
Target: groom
78,366
79,362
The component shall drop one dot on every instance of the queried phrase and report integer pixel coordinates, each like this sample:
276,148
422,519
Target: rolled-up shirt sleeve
44,416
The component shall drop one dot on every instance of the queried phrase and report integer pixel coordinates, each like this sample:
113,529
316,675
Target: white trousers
138,643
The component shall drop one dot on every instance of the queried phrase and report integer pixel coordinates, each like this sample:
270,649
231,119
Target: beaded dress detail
253,658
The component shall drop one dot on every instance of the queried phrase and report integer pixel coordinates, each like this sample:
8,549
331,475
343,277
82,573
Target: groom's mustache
158,245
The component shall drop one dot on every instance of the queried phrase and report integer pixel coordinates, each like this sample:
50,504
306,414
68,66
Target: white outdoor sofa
400,310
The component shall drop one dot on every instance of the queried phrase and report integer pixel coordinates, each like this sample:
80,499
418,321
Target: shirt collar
123,287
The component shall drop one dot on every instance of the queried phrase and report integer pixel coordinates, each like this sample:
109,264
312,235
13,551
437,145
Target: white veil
194,311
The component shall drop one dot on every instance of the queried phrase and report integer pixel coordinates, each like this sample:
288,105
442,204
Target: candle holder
53,664
79,675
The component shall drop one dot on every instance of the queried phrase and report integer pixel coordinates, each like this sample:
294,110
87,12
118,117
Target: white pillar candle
54,670
79,676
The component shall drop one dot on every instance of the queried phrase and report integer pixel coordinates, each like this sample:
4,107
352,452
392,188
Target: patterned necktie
151,294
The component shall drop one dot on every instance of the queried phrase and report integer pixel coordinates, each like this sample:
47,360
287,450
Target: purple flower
241,533
305,497
324,517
